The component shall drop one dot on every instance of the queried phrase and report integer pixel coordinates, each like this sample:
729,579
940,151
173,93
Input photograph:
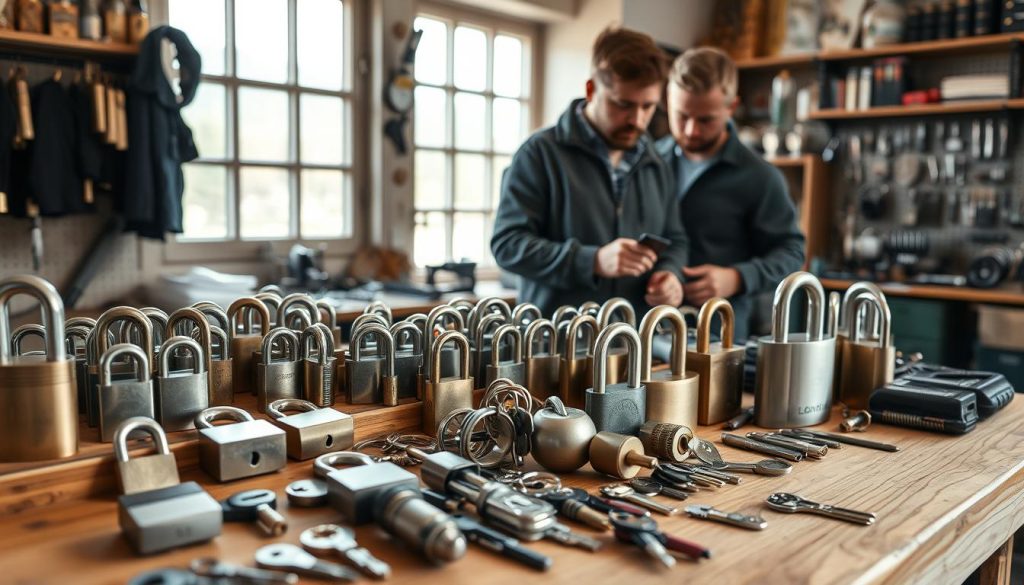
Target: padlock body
318,387
340,372
179,398
245,449
720,375
673,399
450,362
516,372
81,381
867,367
277,380
575,376
407,366
311,434
147,472
159,520
122,400
354,491
618,409
542,375
440,398
118,371
363,380
794,382
38,409
243,374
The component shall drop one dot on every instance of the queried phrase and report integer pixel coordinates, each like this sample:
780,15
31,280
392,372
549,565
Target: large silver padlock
148,472
619,408
102,340
794,371
483,342
246,448
513,369
542,368
120,400
407,361
868,364
281,376
312,431
673,395
180,396
616,355
319,369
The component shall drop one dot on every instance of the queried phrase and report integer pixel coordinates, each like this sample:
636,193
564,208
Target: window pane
205,202
261,40
429,239
498,166
470,113
324,204
431,178
206,117
508,124
262,124
470,182
470,58
468,237
321,43
265,206
321,136
431,115
432,52
203,22
508,66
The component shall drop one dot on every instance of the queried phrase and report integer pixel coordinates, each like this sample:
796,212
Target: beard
624,138
703,146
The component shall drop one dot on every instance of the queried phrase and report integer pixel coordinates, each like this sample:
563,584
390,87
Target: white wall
679,23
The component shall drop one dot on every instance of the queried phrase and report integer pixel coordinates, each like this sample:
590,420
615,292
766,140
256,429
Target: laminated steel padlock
319,368
673,394
77,339
794,371
512,369
312,431
372,380
120,400
273,302
482,342
296,302
577,368
147,472
524,314
101,341
407,361
191,323
542,368
619,408
245,448
561,436
380,308
180,396
616,355
867,364
245,342
449,357
719,365
221,366
329,317
442,395
278,376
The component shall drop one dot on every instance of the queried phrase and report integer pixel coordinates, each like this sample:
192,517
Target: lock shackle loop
524,310
51,307
137,317
138,358
579,324
604,343
486,306
461,345
328,313
385,345
507,330
852,292
330,462
834,304
206,418
728,330
419,320
564,313
462,303
199,365
592,308
272,289
362,321
279,407
555,403
881,308
253,304
488,322
616,305
815,311
319,336
213,312
410,330
139,423
87,322
436,315
647,329
158,324
289,338
534,335
200,324
272,302
300,301
223,351
26,330
297,320
77,332
381,309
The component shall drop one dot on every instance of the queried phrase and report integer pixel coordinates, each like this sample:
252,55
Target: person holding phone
578,196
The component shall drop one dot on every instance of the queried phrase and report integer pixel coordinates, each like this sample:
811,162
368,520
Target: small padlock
121,400
561,436
28,330
842,333
244,449
449,356
867,364
245,342
673,394
577,370
619,455
542,369
380,308
329,317
442,395
513,369
81,334
482,341
363,371
619,408
101,341
148,472
294,303
313,431
191,323
180,396
221,366
407,361
719,365
319,369
273,302
591,308
158,324
278,377
524,314
617,355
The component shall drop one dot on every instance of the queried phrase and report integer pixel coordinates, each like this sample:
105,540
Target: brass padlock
329,317
319,369
366,375
180,396
191,323
513,369
577,370
868,364
842,333
221,366
245,342
619,408
380,308
483,342
278,375
273,302
524,314
407,361
81,334
102,340
313,431
292,304
672,395
150,472
719,365
542,368
617,355
439,316
244,449
442,395
122,400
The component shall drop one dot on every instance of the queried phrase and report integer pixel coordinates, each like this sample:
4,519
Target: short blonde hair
629,55
703,69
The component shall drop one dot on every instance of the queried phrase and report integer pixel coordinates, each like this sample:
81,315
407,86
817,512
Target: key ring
538,483
492,451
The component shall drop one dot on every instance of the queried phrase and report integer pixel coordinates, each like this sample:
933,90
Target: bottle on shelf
138,22
115,20
91,21
63,20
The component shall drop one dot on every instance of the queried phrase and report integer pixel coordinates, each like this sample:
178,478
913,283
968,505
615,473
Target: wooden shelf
11,40
777,62
1009,295
791,162
918,110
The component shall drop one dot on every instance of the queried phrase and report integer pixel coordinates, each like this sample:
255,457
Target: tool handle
687,547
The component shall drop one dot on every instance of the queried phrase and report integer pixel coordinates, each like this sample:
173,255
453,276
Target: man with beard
578,196
735,207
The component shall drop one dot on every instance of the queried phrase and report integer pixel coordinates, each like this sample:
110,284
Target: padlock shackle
462,303
507,330
616,305
224,343
272,289
291,344
385,345
382,309
576,325
319,335
139,423
853,291
138,358
297,320
486,306
253,304
410,329
272,302
604,342
157,323
329,462
881,308
213,312
523,310
461,344
834,304
592,308
279,407
299,300
111,316
704,317
328,309
648,326
200,324
533,336
564,313
816,306
199,361
437,315
77,332
26,330
555,403
365,319
51,308
87,322
206,418
494,320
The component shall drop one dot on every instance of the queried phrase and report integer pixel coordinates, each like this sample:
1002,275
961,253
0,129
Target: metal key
562,534
219,570
651,487
706,512
340,541
292,558
628,494
771,467
791,503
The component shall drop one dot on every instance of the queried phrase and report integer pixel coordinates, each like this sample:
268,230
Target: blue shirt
618,173
688,171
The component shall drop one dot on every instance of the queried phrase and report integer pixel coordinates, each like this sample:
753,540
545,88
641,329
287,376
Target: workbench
945,505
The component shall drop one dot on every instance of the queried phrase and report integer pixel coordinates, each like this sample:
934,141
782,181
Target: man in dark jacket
578,195
735,207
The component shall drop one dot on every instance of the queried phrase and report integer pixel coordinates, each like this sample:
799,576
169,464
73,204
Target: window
473,109
272,121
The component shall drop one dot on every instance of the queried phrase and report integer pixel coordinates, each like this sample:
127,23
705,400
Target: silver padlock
617,355
191,323
591,308
120,400
244,449
298,302
101,341
542,368
319,369
794,371
380,308
148,472
313,431
482,342
363,370
329,317
440,316
619,408
512,369
278,377
180,396
407,361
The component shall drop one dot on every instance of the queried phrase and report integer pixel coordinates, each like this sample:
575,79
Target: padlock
487,306
245,342
213,312
318,369
619,455
157,324
329,316
542,368
563,313
673,394
794,371
312,431
245,448
148,472
842,334
591,308
221,366
619,408
296,302
524,314
577,371
368,380
189,322
616,355
101,341
719,365
481,343
79,350
380,308
121,400
442,395
407,361
449,356
180,396
464,306
273,302
867,364
298,320
514,370
278,377
28,330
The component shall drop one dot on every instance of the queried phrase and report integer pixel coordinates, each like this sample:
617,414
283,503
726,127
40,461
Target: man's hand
664,288
623,257
707,281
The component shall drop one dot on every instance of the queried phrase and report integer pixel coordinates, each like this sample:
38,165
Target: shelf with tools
37,43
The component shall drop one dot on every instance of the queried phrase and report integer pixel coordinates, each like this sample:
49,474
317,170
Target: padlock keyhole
330,440
254,459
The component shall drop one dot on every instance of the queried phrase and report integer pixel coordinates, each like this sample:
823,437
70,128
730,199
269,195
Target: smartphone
656,243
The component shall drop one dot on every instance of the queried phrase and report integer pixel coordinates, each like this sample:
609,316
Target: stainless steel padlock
221,366
617,355
329,317
81,334
380,308
449,358
278,377
180,396
191,323
512,369
148,472
362,370
619,408
542,368
482,342
244,449
794,371
246,341
867,364
407,361
313,431
101,341
319,369
298,302
120,400
673,395
442,395
576,371
524,314
719,365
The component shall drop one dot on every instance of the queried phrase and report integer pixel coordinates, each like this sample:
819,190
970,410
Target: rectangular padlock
512,369
180,396
673,394
246,342
619,408
119,401
407,361
244,449
867,364
318,369
222,393
543,374
363,370
444,395
157,520
617,356
719,366
313,431
354,491
148,472
278,377
576,371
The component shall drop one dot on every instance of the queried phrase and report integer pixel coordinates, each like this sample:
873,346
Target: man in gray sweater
579,195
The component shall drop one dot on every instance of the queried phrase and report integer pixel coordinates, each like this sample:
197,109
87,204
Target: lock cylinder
619,455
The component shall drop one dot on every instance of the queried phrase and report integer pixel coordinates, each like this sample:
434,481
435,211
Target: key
651,487
572,503
340,541
218,570
706,512
643,532
679,481
259,506
610,505
626,493
710,471
792,503
501,544
759,447
289,557
561,534
771,467
809,450
812,439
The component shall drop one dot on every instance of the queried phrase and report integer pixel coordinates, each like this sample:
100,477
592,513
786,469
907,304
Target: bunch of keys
643,532
340,541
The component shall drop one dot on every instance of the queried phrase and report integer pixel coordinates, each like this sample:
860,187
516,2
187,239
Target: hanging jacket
54,182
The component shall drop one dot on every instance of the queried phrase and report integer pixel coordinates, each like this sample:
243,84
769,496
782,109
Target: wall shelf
1006,295
42,44
964,107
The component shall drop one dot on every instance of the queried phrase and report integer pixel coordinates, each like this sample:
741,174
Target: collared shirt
618,173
